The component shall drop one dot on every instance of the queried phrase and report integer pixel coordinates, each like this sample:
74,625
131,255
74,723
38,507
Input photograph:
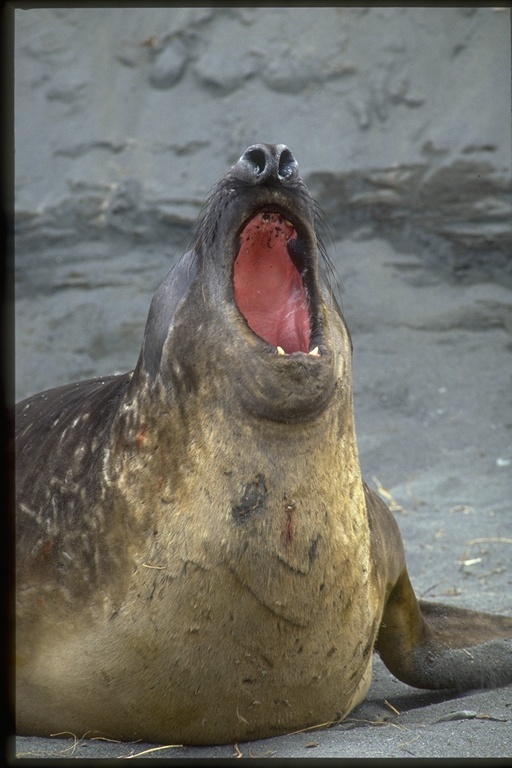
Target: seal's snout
262,163
274,269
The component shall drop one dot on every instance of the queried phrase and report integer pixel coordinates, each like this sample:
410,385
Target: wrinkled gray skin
198,557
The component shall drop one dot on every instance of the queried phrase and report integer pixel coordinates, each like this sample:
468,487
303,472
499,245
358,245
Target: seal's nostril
266,164
288,165
258,159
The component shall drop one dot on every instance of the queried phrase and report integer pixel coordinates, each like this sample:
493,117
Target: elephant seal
199,559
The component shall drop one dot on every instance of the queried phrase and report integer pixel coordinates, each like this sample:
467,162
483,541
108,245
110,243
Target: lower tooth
280,351
314,352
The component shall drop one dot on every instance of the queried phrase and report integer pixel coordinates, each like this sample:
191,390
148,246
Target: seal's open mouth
268,283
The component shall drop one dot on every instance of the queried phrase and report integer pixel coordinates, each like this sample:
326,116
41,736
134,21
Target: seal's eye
268,287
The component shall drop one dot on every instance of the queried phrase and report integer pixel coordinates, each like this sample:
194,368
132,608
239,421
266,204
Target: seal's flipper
425,644
438,646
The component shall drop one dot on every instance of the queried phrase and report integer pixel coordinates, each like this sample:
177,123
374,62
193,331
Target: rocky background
400,119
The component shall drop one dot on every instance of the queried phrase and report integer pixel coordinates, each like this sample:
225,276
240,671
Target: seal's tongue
268,288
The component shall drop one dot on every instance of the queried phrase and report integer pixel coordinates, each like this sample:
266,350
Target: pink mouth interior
268,288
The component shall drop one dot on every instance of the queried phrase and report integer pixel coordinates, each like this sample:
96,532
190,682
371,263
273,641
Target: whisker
326,264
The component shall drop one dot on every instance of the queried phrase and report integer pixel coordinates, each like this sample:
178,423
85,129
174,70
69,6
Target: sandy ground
433,395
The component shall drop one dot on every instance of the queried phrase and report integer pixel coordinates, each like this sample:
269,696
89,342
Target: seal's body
199,560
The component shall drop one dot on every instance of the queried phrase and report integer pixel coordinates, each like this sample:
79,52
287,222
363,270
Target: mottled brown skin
198,558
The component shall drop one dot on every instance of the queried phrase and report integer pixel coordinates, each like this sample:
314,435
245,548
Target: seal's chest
291,551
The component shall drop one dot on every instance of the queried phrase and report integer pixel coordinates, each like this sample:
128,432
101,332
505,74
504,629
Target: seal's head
253,288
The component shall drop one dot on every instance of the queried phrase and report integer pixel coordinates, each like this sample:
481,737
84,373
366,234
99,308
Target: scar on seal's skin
289,525
253,499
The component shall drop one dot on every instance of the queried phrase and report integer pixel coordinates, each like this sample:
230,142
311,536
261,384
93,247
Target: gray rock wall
399,117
